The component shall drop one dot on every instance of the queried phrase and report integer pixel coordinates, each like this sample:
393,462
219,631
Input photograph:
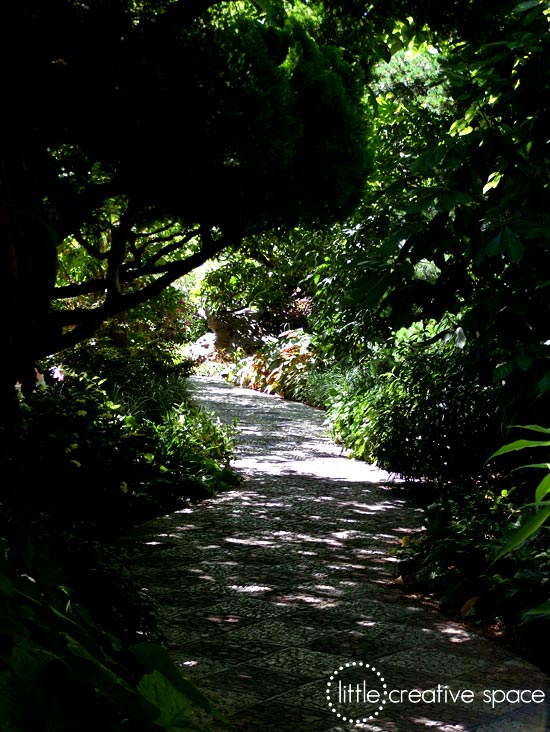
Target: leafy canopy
146,137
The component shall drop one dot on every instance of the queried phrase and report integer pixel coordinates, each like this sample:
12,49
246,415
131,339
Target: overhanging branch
127,273
85,321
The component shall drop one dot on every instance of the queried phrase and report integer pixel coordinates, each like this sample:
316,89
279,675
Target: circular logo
356,692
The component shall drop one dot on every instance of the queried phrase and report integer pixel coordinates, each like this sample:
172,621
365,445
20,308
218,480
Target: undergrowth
101,447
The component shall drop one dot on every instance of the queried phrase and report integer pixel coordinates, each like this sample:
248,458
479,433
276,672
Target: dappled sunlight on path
266,590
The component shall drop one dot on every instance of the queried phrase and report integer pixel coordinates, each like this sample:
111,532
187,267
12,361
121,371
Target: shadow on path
272,595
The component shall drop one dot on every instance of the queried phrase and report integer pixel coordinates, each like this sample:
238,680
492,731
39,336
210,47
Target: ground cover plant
483,553
136,456
418,409
76,632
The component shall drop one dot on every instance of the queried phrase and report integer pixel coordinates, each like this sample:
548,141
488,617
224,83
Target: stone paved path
266,591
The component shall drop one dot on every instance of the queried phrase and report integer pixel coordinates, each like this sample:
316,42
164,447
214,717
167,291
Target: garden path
266,590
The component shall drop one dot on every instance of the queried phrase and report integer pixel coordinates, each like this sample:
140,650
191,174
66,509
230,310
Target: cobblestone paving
271,591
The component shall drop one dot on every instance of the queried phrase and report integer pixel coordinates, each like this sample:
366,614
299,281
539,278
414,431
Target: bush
428,416
72,623
281,367
112,462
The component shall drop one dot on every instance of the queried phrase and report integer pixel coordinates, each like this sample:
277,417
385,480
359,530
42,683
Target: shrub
428,417
72,625
280,367
108,465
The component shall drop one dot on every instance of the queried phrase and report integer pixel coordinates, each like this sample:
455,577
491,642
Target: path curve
266,590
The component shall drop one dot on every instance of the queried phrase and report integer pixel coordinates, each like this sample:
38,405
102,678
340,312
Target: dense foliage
76,632
129,458
373,185
100,169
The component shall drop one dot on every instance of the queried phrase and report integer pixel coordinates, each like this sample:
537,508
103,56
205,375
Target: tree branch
172,247
85,244
87,320
65,292
126,273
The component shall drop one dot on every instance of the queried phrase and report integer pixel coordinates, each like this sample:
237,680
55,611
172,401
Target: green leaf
546,466
6,586
519,445
396,45
429,160
503,370
492,181
544,383
512,245
96,663
523,533
273,9
543,609
155,658
532,427
543,488
495,246
527,5
524,362
174,708
424,203
447,200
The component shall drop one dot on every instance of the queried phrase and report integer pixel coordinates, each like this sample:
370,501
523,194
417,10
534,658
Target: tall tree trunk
27,276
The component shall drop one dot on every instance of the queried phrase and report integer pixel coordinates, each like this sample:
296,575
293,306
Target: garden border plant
66,637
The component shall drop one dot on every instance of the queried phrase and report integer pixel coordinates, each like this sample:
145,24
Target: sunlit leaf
532,427
524,532
519,445
543,488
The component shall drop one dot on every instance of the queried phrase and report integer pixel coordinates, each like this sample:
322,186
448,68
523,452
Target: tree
144,138
413,111
475,212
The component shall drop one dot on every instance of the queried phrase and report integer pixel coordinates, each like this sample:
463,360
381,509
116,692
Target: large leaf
173,706
544,383
495,246
523,533
519,445
155,658
527,5
532,427
543,488
6,585
540,610
512,244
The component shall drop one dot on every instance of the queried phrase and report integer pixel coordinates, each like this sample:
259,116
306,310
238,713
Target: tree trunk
27,275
